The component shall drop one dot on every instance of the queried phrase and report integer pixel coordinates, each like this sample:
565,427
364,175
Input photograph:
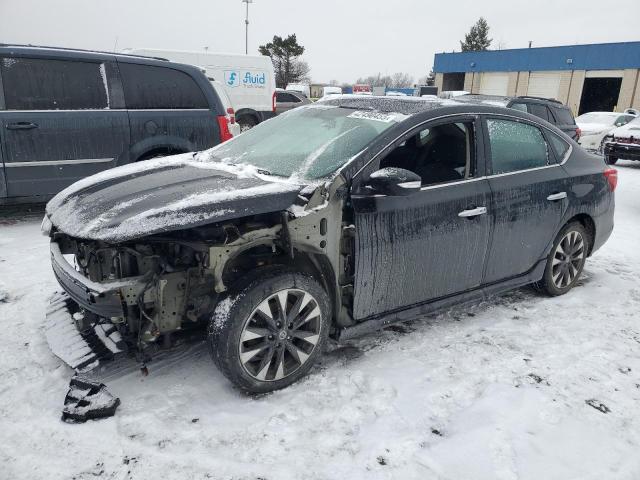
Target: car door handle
473,212
557,196
21,126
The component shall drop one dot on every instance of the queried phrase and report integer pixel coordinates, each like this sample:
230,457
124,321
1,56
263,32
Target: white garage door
546,85
494,83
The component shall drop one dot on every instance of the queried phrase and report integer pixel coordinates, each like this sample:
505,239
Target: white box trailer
249,80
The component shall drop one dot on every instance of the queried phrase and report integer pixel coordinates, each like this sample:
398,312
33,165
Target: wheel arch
589,225
316,265
248,112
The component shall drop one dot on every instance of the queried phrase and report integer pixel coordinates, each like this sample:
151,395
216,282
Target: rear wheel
566,260
268,334
611,160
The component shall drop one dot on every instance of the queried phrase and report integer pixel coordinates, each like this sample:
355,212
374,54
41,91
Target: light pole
246,28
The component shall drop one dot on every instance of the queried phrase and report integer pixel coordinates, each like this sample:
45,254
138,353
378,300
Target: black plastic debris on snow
87,400
592,402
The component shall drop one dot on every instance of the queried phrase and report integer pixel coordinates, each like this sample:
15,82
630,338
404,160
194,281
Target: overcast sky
343,39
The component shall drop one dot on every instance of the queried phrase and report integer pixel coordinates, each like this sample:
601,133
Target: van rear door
58,126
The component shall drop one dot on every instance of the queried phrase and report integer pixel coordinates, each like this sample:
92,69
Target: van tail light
223,125
611,174
578,133
273,102
231,115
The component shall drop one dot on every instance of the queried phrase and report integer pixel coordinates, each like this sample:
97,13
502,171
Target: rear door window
148,87
516,146
43,84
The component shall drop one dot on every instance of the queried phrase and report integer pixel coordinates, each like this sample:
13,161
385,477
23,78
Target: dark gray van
66,114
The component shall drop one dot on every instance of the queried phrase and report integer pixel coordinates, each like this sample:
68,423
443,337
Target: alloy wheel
280,335
567,259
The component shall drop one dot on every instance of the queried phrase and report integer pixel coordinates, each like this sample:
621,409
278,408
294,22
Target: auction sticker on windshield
368,115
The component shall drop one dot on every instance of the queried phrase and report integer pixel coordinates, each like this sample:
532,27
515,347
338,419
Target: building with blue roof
596,77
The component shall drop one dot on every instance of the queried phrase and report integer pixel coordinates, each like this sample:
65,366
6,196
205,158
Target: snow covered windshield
306,143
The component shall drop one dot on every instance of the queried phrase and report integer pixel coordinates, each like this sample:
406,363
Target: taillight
578,133
231,115
273,102
611,174
223,125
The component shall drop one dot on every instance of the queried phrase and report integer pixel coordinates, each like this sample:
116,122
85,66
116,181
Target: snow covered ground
521,387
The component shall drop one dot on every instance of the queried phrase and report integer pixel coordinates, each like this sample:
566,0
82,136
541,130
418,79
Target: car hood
631,128
162,195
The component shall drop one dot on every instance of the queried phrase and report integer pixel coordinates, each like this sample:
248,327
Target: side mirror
395,182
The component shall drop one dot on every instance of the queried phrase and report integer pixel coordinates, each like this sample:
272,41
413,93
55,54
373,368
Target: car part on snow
87,400
75,341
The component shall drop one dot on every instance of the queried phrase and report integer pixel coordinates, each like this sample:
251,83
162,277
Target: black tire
564,268
247,122
610,160
280,360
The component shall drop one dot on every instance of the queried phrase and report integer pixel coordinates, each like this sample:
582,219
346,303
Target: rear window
150,88
43,84
538,110
286,97
564,116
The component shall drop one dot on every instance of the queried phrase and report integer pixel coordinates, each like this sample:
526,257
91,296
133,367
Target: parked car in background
362,89
596,125
623,143
300,88
550,110
336,219
286,100
249,80
422,90
452,93
330,90
66,114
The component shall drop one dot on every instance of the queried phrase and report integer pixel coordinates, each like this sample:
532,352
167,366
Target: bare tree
401,80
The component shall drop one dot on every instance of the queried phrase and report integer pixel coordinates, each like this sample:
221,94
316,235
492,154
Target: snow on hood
631,128
166,194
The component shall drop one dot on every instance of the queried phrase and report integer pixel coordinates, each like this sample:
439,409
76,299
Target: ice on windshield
307,143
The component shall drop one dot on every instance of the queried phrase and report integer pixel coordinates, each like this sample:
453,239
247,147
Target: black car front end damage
622,148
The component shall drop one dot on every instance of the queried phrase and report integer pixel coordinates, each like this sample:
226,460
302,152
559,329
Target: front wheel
268,334
610,160
566,260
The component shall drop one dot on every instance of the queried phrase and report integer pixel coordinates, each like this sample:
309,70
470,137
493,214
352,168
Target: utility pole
246,28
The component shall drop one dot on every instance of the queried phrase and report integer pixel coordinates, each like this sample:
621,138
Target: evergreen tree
478,37
284,53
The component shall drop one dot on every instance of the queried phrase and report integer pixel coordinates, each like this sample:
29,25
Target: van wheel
566,260
246,122
611,160
268,334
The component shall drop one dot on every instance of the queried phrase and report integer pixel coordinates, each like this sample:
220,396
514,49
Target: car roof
81,52
497,100
503,101
389,104
609,114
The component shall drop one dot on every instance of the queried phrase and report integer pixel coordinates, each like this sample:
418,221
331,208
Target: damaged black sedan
331,220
